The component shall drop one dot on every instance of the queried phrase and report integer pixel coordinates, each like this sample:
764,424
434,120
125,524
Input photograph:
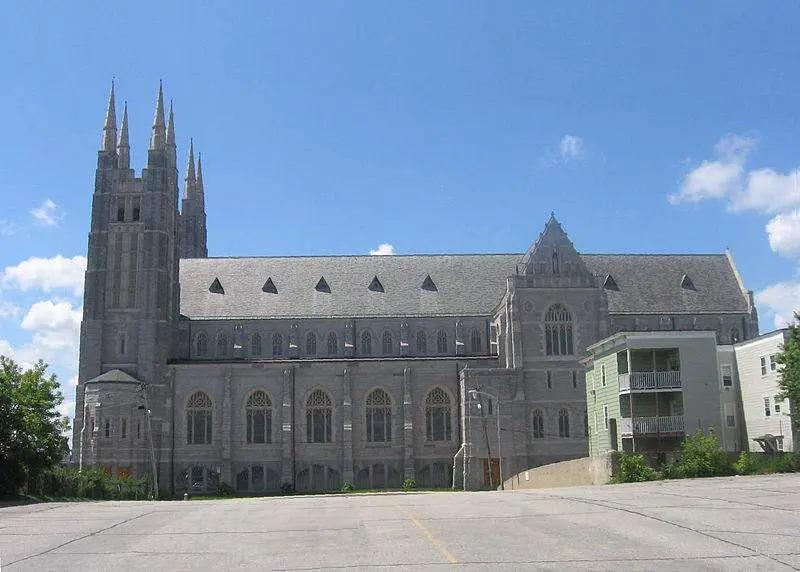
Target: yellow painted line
438,544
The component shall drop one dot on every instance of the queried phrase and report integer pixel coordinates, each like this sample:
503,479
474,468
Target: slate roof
466,285
114,376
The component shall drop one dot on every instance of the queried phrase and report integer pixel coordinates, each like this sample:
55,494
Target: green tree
789,377
31,429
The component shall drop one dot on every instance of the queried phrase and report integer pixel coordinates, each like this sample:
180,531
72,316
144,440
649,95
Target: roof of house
437,285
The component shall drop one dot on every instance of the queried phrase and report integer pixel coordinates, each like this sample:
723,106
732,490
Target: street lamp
148,414
473,393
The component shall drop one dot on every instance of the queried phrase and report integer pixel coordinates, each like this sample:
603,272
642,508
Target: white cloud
570,147
46,274
55,335
768,191
781,301
7,227
722,177
784,234
51,315
47,213
9,310
384,249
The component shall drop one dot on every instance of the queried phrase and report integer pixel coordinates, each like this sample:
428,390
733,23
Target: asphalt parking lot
737,523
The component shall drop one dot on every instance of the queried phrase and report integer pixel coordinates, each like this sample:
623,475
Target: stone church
269,373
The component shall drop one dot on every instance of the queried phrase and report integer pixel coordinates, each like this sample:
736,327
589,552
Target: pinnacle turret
158,136
200,186
190,176
123,147
109,141
171,127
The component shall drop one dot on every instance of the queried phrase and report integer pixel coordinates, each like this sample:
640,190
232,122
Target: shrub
287,489
409,485
347,487
783,463
633,469
746,464
91,483
702,456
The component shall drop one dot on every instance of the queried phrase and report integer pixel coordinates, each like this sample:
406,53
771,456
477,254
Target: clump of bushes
758,464
409,485
347,487
94,483
633,469
702,456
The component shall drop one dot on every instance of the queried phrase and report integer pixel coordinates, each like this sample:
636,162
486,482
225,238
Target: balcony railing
649,381
671,425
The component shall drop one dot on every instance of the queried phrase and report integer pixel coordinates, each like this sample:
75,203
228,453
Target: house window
605,417
574,380
319,412
366,343
763,365
777,400
767,409
538,424
734,335
136,209
437,415
387,345
107,432
311,344
422,343
277,344
475,341
198,419
255,344
259,418
563,423
333,344
603,375
222,344
558,331
727,376
379,417
441,342
549,380
730,415
121,214
124,428
494,344
122,344
201,345
773,362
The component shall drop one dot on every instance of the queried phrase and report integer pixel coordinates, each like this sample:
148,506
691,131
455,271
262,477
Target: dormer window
686,283
216,287
429,285
322,286
610,284
376,285
269,287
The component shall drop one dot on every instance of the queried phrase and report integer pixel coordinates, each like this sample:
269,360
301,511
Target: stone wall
585,471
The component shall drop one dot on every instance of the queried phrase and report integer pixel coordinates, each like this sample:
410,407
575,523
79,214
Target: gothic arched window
558,331
255,344
441,342
538,424
333,344
438,426
563,423
198,419
475,341
311,344
319,411
556,268
735,335
366,343
422,343
379,416
277,344
387,343
259,418
222,344
201,345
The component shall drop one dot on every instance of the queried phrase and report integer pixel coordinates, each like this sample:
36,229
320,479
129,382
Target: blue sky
335,127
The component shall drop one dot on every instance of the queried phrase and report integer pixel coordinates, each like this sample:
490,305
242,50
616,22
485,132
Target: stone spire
200,188
190,177
109,141
123,147
171,127
158,136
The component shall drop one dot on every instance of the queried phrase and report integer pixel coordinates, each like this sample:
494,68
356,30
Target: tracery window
201,345
259,418
563,423
538,424
333,344
735,335
437,415
387,343
475,341
198,419
311,344
277,344
558,331
222,344
366,343
441,342
422,343
379,416
255,344
319,411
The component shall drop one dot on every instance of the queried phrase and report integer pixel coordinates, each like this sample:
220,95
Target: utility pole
149,416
